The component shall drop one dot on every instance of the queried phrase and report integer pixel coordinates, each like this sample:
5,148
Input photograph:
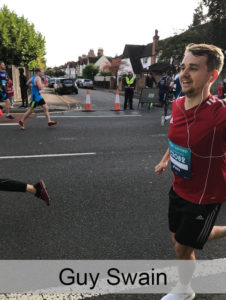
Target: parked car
65,85
78,81
51,82
84,83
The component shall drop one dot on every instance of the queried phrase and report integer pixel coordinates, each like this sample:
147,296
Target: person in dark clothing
23,88
129,83
150,81
224,88
39,189
163,87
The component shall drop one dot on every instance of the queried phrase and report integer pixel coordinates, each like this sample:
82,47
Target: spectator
150,81
220,93
129,82
23,88
9,90
178,91
224,88
163,87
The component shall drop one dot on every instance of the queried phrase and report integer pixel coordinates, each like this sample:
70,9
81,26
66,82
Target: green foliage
216,9
59,73
90,71
52,72
217,15
198,16
102,73
174,47
20,43
211,32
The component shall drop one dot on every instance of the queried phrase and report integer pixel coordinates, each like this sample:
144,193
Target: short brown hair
37,70
215,56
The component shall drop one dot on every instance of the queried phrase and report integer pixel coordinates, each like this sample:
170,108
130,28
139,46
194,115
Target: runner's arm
38,82
160,167
29,81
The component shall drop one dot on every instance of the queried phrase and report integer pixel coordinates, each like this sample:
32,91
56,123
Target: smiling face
194,75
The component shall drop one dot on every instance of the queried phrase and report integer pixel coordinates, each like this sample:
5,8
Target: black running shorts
3,96
37,103
191,223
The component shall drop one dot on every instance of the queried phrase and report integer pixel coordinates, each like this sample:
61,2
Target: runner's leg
46,112
217,232
27,114
39,189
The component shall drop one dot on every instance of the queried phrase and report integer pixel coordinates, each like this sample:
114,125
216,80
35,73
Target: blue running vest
35,93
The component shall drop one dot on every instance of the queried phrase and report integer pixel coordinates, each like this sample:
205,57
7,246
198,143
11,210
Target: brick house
138,59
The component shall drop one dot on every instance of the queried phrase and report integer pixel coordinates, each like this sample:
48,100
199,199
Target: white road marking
8,124
122,116
47,155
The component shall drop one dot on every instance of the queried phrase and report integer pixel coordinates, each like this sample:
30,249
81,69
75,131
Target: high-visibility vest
129,81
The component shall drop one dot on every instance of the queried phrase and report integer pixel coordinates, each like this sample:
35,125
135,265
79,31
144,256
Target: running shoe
41,192
52,123
10,117
180,292
21,124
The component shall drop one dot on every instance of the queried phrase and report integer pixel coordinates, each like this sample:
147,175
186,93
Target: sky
73,27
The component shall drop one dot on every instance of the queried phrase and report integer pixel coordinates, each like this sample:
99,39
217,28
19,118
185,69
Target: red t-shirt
9,88
201,130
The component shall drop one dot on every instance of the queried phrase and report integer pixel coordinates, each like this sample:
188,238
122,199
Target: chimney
91,53
100,52
154,47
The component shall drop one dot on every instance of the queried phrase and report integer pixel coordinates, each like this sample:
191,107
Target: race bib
180,158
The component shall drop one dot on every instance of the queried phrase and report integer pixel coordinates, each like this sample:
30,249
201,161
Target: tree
216,9
217,15
20,43
55,72
90,71
198,16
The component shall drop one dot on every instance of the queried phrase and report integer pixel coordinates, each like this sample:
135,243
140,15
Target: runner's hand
160,168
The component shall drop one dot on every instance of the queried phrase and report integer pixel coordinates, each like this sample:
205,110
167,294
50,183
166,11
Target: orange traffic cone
88,106
117,102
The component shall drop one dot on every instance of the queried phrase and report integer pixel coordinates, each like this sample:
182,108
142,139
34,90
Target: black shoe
41,192
10,117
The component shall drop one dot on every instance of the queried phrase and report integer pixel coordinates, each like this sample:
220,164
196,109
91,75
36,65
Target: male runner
3,95
197,139
36,98
39,189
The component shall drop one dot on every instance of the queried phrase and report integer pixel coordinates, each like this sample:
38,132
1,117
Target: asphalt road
106,204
